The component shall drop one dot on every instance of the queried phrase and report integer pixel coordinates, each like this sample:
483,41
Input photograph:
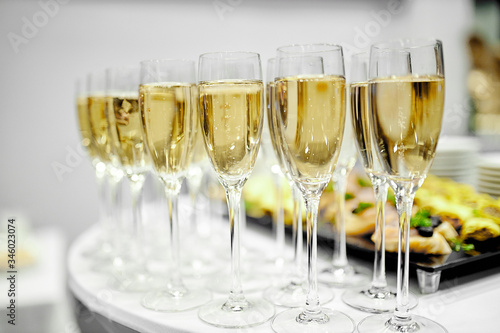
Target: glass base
135,282
250,312
344,277
174,300
294,295
328,321
382,323
374,300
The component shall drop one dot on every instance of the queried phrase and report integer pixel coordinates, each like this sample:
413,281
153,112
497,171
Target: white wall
38,126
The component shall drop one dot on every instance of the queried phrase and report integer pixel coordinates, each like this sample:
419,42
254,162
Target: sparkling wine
127,134
312,111
168,115
231,121
199,153
99,127
84,125
407,114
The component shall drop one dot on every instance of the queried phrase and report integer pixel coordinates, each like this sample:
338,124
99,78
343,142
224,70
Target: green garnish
468,247
361,207
364,182
457,244
349,196
421,219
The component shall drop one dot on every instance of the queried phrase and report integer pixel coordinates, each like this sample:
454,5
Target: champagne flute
103,248
276,260
99,129
292,291
406,91
127,142
341,274
377,297
310,103
231,110
167,102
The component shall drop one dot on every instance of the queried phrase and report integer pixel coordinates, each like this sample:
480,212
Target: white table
466,304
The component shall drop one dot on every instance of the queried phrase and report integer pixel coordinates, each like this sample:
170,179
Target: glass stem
175,282
279,218
297,230
380,188
136,186
195,178
236,298
312,309
115,211
405,193
339,250
103,204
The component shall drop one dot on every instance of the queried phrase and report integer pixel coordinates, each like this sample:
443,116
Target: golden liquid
272,122
168,114
99,127
312,110
127,134
199,152
407,113
362,123
231,121
84,125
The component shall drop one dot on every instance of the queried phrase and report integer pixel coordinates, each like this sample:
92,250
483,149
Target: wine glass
231,110
103,248
310,103
377,297
127,143
341,273
292,290
275,261
406,93
167,102
100,140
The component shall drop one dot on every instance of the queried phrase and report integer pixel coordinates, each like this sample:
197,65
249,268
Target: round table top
464,304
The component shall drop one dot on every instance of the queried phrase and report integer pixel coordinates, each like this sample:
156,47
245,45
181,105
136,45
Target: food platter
472,218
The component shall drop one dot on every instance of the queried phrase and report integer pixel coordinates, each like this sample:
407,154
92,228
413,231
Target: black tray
451,266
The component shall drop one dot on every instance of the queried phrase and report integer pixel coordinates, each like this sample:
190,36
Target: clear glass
407,87
127,144
291,290
376,297
231,111
311,136
167,102
104,161
103,247
341,273
275,261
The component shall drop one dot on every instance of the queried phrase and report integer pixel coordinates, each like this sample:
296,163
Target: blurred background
46,180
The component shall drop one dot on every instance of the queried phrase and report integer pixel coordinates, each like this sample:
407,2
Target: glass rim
218,55
297,48
406,44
